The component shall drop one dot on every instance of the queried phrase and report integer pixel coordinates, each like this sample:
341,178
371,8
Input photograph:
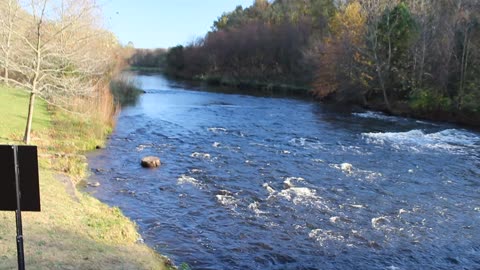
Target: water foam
349,170
379,222
450,140
297,195
255,208
302,196
323,236
226,198
377,115
288,181
185,179
307,143
269,189
217,130
200,155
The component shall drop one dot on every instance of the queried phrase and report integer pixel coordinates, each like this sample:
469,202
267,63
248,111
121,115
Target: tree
175,59
397,32
9,11
467,25
342,70
61,53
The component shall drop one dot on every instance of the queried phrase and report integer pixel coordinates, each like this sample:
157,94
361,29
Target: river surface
251,182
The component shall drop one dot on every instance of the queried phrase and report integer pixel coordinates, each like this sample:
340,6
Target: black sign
28,178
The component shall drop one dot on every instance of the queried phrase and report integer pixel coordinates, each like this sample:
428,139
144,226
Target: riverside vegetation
74,230
410,57
56,65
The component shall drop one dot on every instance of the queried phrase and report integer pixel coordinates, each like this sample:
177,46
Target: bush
428,100
471,102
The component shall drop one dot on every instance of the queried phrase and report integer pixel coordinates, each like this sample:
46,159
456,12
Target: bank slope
74,230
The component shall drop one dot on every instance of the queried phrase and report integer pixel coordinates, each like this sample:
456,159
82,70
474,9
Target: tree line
58,51
417,57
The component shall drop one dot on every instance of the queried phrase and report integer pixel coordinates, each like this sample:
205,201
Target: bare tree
9,11
57,58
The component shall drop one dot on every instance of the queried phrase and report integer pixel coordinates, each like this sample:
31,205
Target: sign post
19,187
18,212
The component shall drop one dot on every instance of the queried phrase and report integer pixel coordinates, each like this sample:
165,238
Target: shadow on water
196,85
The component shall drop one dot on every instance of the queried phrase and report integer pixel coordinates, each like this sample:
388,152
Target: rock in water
150,162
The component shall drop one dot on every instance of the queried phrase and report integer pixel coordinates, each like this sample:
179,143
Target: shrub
428,100
125,90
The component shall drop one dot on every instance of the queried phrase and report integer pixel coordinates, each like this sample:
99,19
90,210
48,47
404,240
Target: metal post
18,213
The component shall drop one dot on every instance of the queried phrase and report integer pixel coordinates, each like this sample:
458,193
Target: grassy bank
74,230
264,86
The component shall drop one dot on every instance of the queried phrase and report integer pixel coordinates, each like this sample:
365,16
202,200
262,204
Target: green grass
13,111
74,230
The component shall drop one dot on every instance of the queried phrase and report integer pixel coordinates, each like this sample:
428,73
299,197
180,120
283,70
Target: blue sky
163,23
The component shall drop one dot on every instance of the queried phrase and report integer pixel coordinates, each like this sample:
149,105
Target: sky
163,23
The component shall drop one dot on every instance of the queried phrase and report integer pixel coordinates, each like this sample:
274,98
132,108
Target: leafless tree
9,11
61,53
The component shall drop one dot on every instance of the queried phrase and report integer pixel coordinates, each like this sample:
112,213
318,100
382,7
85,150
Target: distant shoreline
252,87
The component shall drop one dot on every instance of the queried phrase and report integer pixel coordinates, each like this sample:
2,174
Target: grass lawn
13,114
74,230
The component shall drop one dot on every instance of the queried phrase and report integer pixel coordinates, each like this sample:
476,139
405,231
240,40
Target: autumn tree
342,69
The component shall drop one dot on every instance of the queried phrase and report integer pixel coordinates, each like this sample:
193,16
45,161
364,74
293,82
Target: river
252,182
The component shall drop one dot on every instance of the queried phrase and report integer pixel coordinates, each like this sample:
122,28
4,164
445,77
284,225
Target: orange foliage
339,54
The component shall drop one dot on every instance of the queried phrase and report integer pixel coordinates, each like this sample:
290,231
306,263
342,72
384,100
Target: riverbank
399,108
74,230
263,86
403,109
245,85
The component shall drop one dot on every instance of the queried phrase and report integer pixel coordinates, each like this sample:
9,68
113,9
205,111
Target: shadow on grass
57,248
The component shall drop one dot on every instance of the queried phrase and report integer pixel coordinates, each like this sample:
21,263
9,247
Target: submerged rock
224,192
287,184
150,162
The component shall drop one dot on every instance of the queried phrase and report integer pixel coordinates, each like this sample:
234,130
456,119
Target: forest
410,57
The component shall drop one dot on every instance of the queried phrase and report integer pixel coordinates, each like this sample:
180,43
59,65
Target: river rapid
252,182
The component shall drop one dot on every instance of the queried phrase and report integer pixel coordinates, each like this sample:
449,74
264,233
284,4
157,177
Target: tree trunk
463,70
384,92
381,80
5,75
26,138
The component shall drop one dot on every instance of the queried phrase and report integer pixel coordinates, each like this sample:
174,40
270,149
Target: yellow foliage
349,23
348,28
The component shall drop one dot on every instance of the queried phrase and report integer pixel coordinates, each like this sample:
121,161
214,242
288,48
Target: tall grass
126,90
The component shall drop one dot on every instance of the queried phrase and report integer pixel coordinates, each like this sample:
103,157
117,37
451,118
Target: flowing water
282,183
